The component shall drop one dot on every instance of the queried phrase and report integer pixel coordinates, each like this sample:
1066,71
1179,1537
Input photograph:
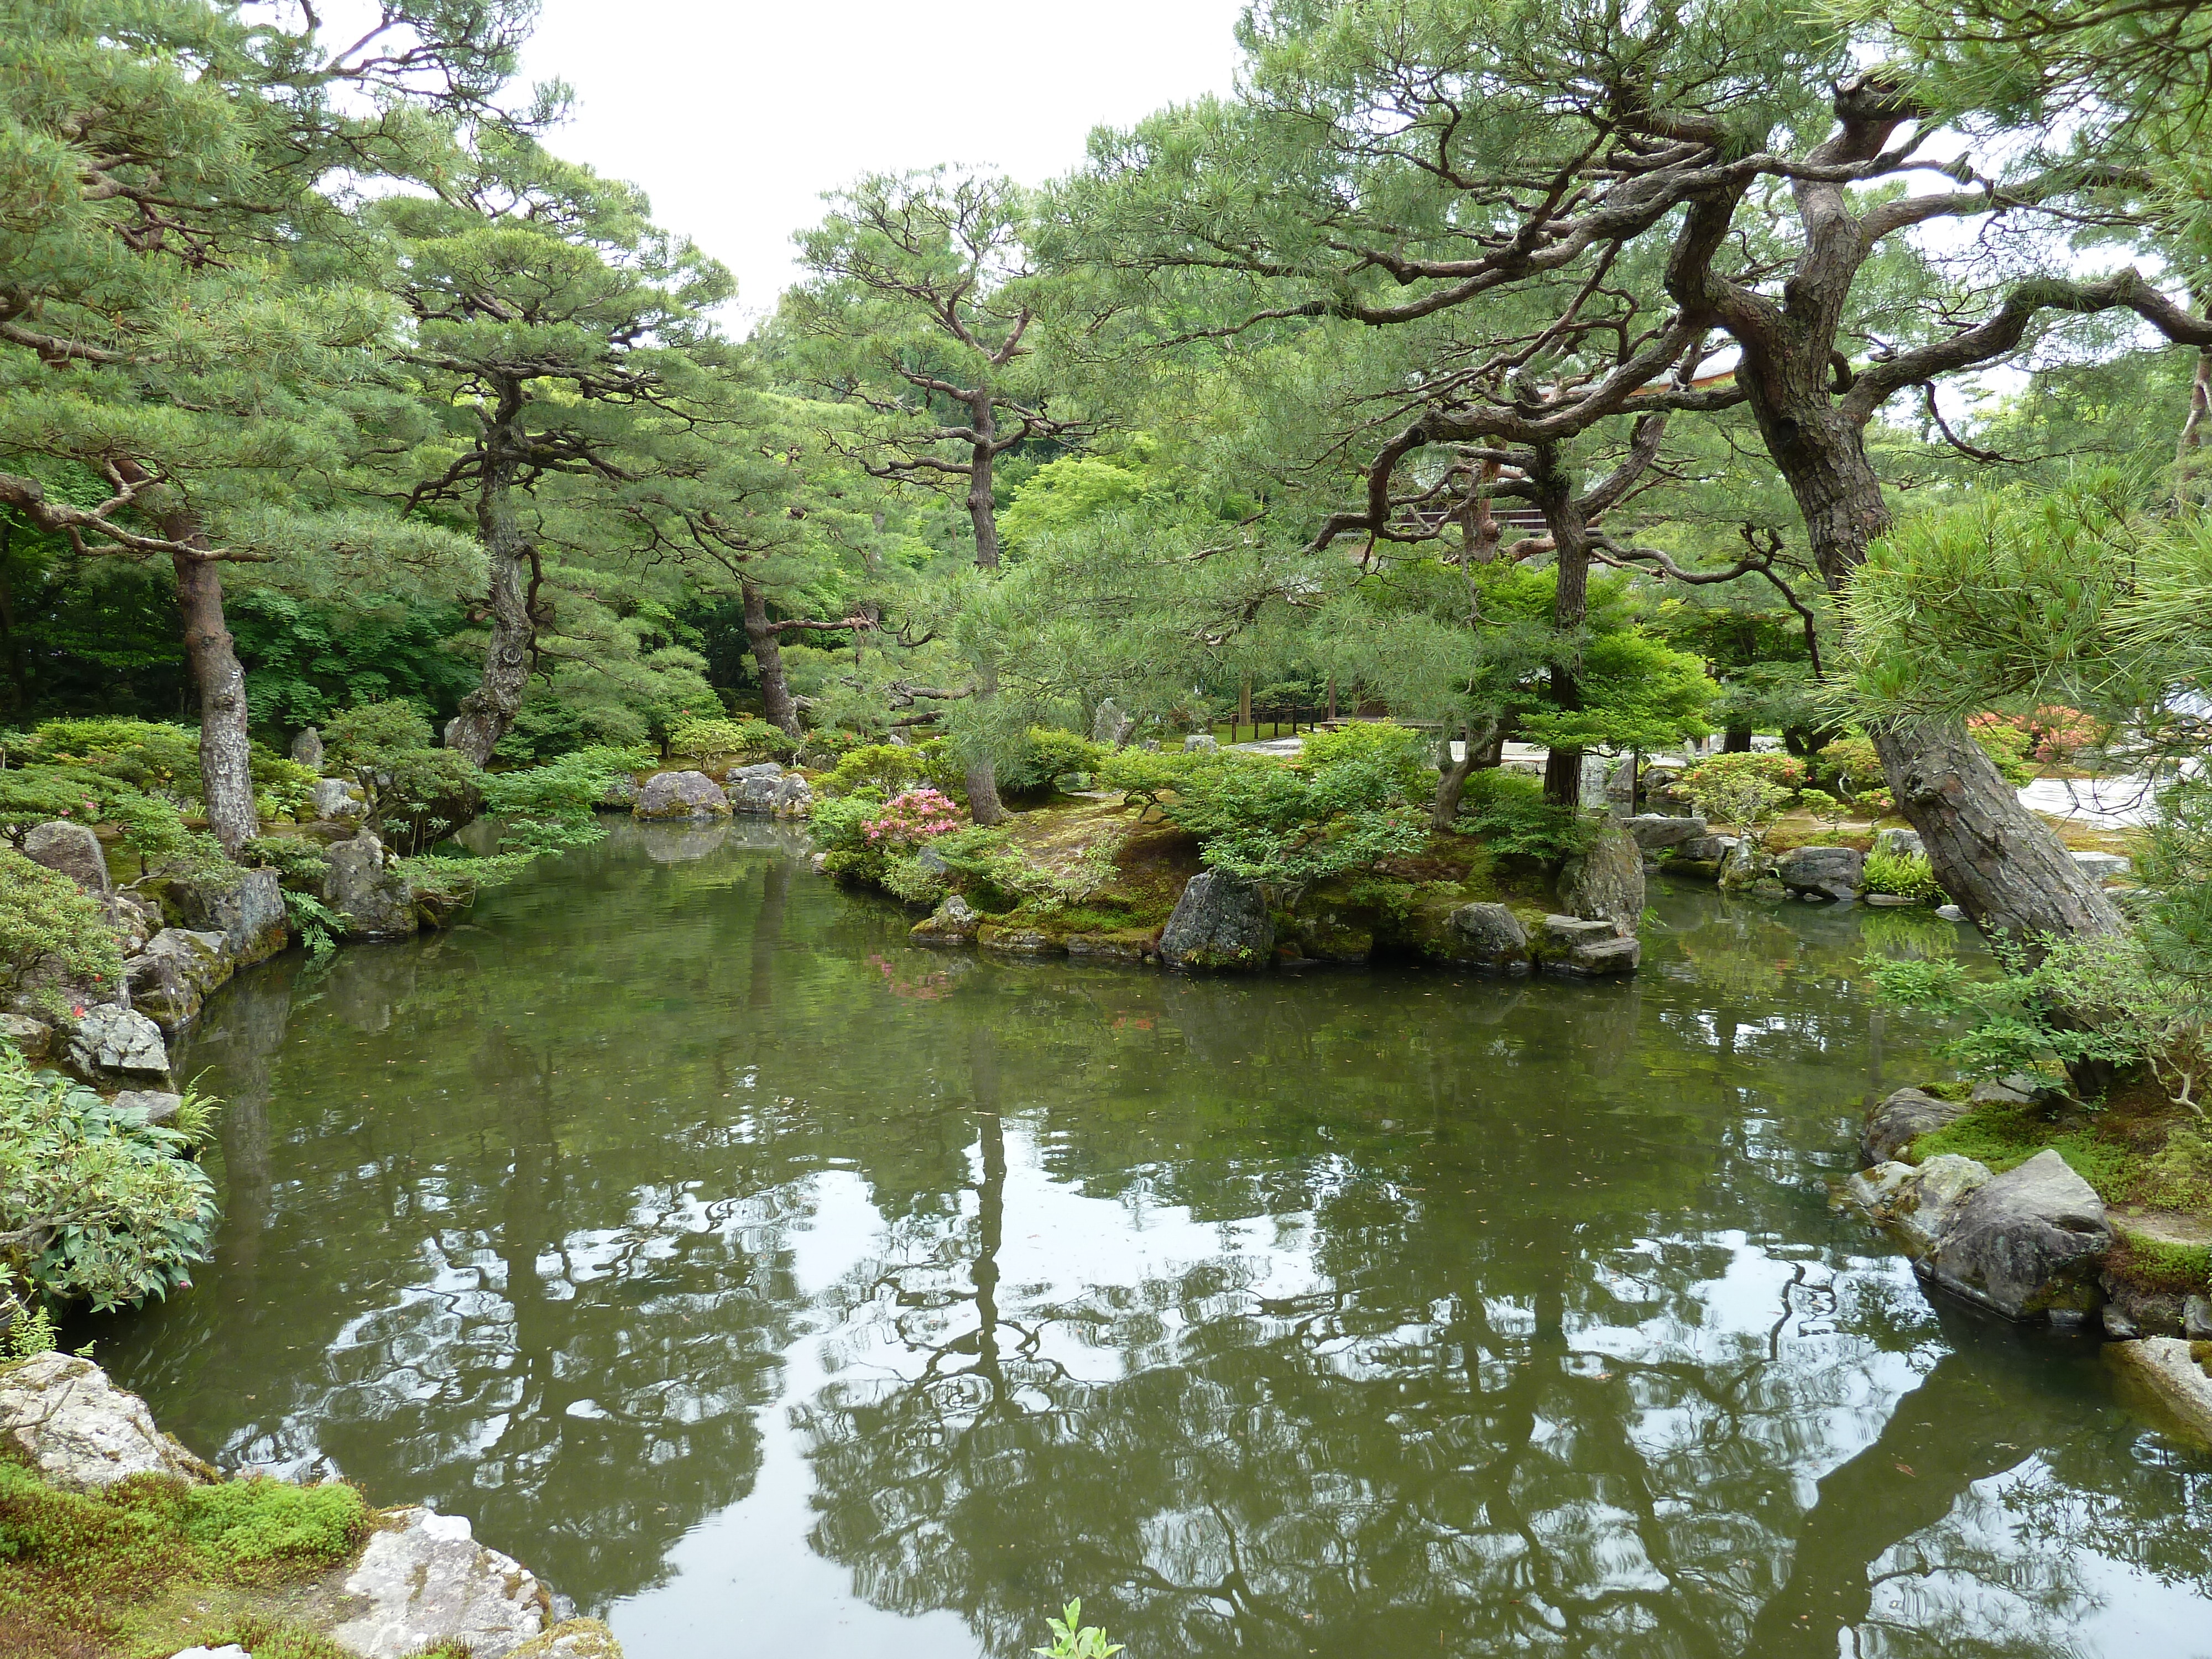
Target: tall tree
163,330
1389,164
559,336
918,309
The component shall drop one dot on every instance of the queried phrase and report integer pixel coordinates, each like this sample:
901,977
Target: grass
155,1564
2137,1149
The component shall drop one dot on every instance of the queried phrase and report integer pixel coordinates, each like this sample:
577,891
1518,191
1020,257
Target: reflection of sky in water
772,1287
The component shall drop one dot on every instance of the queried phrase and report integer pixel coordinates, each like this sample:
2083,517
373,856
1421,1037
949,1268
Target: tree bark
488,712
225,743
1570,531
1476,753
1737,741
776,701
982,512
2189,453
2001,864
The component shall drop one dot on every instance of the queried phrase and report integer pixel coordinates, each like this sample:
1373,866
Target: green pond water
773,1287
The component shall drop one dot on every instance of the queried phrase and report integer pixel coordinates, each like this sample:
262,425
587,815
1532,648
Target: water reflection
674,1209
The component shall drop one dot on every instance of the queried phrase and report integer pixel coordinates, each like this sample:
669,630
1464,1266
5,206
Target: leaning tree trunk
488,712
226,744
776,700
1476,753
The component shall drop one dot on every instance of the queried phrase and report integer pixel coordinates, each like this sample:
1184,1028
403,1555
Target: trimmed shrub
1903,876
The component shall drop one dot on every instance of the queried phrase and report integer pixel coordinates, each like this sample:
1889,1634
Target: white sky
736,115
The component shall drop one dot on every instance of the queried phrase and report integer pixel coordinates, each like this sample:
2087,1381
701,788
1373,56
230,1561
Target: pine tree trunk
1563,518
776,702
1476,751
1737,741
1997,860
488,712
226,744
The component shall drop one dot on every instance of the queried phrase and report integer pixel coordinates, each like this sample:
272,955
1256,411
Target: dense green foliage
95,1203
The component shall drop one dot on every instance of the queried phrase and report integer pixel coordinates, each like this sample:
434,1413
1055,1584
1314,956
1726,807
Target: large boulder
158,1104
954,922
175,974
793,797
1746,867
1581,947
1606,883
308,749
62,1416
29,1037
1900,843
246,907
73,851
769,769
116,1045
1221,921
426,1581
1655,836
1898,1120
336,801
1109,726
2029,1242
1833,872
1489,937
1201,742
2166,1370
364,887
680,795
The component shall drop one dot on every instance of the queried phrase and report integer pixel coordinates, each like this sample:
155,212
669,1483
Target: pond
772,1287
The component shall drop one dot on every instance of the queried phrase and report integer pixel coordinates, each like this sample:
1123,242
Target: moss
154,1564
2159,1264
1951,1089
2129,1154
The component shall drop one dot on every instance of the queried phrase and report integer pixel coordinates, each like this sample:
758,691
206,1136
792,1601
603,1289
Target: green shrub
300,864
1047,754
838,821
38,794
1508,811
904,879
1142,776
1907,875
1398,753
147,755
417,795
1745,790
115,1210
51,930
699,738
1294,825
2007,745
891,768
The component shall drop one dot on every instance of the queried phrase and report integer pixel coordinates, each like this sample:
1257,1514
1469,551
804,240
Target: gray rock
2028,1242
572,1638
246,907
1915,1203
1950,912
2118,1327
1200,742
30,1038
2197,1318
1900,843
769,769
308,749
136,921
1565,933
1598,959
1656,834
1833,870
82,1432
1019,941
336,801
175,974
954,922
1221,921
1606,883
681,795
619,796
2098,867
73,851
2150,1312
1706,850
117,1045
793,797
1109,726
2164,1368
1745,865
1150,745
1894,1124
1489,937
429,1581
931,862
376,900
159,1105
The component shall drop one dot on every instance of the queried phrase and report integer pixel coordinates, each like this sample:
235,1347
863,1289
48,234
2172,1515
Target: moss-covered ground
2149,1159
155,1565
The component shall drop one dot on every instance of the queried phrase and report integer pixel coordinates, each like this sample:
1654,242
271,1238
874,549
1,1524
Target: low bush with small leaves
52,933
708,738
1906,875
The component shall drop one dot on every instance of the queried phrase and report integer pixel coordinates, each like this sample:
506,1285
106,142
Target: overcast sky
736,115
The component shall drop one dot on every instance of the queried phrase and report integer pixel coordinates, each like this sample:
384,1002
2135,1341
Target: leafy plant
1746,791
1073,1639
1508,811
52,933
698,737
1904,875
911,818
95,1203
1261,819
